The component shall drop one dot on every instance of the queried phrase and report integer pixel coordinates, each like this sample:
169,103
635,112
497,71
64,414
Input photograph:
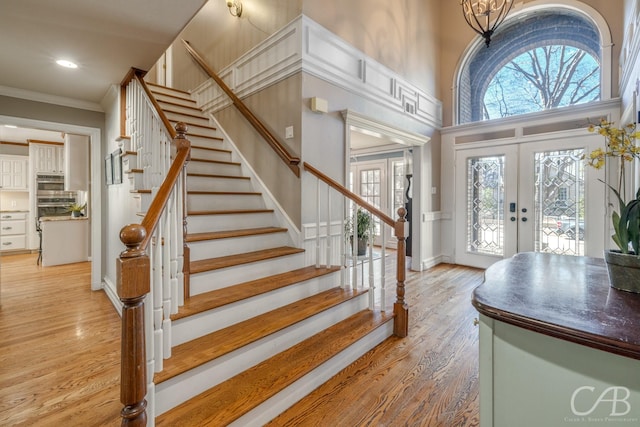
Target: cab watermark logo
585,400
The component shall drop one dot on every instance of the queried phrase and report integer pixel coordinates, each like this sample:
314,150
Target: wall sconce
479,14
235,8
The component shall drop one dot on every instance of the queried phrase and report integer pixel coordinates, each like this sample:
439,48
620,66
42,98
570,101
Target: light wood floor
60,351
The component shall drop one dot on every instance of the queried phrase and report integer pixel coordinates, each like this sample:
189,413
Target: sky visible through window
545,77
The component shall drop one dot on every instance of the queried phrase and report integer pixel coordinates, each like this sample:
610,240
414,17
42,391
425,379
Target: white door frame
96,183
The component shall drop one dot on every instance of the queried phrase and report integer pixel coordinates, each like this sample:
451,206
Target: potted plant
623,265
363,230
76,210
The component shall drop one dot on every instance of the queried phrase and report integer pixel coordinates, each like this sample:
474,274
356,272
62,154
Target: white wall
119,207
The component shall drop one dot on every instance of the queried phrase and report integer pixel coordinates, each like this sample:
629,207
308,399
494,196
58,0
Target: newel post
400,309
133,284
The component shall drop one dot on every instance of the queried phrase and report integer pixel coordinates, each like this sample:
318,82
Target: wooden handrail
350,195
400,308
271,139
134,283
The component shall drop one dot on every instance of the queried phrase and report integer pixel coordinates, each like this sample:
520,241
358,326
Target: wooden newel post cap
181,130
402,212
131,236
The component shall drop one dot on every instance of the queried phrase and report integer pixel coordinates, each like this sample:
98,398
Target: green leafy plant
363,227
76,207
620,145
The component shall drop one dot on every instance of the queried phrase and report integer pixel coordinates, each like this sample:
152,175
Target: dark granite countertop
564,297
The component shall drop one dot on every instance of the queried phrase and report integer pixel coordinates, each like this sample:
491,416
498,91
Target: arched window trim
585,10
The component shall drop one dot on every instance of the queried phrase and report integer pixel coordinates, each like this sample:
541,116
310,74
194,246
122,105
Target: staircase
260,329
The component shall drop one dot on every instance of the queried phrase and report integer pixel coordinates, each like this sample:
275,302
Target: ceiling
105,38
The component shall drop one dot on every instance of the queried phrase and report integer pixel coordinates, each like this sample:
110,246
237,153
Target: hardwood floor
59,347
60,353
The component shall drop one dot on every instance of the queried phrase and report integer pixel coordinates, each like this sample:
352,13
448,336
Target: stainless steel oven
48,182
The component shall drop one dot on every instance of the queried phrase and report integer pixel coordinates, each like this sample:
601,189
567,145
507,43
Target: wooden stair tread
199,351
230,212
219,162
202,147
163,102
190,124
209,175
199,135
222,193
220,297
240,259
195,116
167,88
228,234
231,399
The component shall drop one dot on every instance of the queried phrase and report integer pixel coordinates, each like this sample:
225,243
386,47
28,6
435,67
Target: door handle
524,219
513,218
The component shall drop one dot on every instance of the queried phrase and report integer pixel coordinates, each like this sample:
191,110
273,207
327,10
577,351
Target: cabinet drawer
13,242
8,228
13,215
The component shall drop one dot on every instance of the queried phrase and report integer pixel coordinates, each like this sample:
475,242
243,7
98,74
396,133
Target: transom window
543,60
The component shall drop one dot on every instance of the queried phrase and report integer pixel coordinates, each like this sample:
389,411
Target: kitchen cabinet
47,158
13,230
65,240
14,173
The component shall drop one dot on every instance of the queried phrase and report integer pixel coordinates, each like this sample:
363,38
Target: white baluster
328,238
383,265
318,223
354,246
372,285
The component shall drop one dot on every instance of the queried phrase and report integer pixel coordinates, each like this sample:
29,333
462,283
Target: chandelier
484,16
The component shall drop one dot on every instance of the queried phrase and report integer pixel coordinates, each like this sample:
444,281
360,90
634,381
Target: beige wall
277,106
400,35
222,38
454,43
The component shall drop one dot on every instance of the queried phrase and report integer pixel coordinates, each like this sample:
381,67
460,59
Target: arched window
536,61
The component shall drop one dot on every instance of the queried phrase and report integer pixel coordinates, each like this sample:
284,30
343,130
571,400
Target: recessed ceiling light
11,126
66,64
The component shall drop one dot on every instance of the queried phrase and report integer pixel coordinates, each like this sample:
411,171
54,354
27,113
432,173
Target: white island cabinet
65,240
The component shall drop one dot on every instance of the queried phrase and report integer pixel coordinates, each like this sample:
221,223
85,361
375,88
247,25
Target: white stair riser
213,202
192,327
183,101
136,181
286,398
194,129
195,166
183,387
167,90
222,278
188,118
237,245
207,142
220,156
202,183
202,223
179,108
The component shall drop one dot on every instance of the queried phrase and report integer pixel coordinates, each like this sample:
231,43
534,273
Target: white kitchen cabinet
13,230
47,158
14,173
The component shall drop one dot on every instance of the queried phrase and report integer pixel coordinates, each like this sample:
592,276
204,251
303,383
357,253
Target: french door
370,183
535,196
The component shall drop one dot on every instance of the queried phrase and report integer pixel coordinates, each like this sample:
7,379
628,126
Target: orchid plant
620,144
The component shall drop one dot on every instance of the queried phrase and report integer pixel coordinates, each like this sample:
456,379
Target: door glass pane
485,210
370,190
559,202
398,184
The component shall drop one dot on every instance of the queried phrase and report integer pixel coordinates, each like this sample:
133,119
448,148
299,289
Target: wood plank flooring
60,353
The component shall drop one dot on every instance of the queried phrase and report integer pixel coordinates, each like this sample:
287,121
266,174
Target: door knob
524,219
513,218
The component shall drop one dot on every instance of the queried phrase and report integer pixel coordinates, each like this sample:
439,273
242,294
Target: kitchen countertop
564,297
62,218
